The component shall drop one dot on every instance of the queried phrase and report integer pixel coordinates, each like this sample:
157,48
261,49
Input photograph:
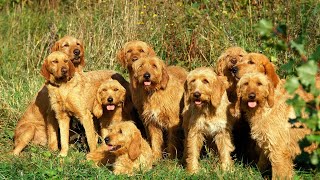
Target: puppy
157,92
70,94
268,120
226,61
109,106
205,114
125,149
32,125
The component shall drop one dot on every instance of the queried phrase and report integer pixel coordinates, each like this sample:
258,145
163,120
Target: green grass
182,33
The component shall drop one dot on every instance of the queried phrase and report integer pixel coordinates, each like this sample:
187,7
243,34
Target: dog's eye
104,89
55,61
246,83
78,44
66,45
115,89
241,55
141,50
205,81
129,51
120,131
259,83
66,60
192,81
154,66
250,62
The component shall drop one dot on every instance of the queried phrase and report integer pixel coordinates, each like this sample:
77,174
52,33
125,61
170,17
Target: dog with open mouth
206,115
124,149
157,93
269,126
110,105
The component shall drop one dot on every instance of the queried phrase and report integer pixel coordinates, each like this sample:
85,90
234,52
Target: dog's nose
107,139
76,52
234,69
196,94
134,58
110,99
64,70
146,75
233,60
252,96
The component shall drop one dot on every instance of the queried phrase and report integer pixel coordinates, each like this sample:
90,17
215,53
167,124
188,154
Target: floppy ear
72,69
235,111
44,70
221,64
270,98
186,95
97,106
82,61
151,51
121,56
56,46
135,146
165,78
219,89
271,72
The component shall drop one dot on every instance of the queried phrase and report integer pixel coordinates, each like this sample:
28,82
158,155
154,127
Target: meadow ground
186,33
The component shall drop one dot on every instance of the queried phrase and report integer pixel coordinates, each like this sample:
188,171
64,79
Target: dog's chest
211,126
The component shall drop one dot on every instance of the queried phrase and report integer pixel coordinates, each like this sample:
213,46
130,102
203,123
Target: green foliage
302,73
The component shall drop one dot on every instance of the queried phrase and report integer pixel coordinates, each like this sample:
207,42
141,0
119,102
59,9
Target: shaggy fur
205,114
32,125
125,149
157,93
132,51
269,127
110,105
227,60
71,94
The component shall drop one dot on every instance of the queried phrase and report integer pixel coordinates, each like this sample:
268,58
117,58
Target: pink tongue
147,83
252,104
109,147
197,102
110,107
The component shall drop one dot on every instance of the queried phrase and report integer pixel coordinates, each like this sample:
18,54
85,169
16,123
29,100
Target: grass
183,33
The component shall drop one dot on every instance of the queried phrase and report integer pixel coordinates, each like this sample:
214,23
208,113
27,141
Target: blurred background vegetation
188,33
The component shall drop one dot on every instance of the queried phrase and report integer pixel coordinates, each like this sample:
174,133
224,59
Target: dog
225,63
269,126
132,51
157,93
32,126
110,105
206,114
125,149
71,94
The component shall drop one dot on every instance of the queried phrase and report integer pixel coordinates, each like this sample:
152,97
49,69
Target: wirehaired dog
125,149
206,115
157,92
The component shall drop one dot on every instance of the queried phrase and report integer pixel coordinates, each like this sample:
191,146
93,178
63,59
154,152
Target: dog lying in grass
125,149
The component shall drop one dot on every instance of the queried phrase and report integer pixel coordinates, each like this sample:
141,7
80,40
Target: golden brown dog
256,62
32,125
125,149
269,126
71,94
109,105
157,92
227,60
206,114
132,51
